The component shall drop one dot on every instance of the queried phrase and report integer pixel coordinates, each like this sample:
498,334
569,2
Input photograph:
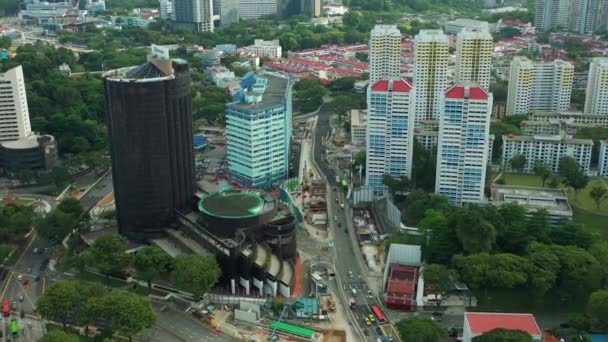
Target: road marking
43,284
8,282
27,295
26,248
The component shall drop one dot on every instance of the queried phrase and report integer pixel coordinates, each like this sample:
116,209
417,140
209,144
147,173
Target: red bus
378,313
6,308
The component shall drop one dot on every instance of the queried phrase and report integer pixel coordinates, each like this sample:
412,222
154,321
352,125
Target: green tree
511,225
149,261
503,335
485,270
57,335
474,232
71,206
129,313
597,308
195,274
441,239
60,177
598,194
500,90
423,168
518,162
542,171
580,272
401,184
599,250
109,255
419,329
55,226
58,301
579,322
276,306
572,175
437,276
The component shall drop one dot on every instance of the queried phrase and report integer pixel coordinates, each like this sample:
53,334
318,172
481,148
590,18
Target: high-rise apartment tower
384,53
430,73
474,57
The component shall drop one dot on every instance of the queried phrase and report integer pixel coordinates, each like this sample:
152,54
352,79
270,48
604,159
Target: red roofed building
478,323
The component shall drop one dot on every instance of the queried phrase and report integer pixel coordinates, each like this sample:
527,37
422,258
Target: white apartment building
253,9
596,100
474,57
384,53
196,15
14,113
539,86
266,48
582,16
358,126
576,118
166,9
546,149
603,159
390,131
431,53
462,149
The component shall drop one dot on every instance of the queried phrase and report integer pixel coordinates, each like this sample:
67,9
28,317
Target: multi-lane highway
352,282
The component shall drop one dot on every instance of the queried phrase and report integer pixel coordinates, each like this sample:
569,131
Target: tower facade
596,100
390,131
196,15
149,120
14,112
430,73
462,149
384,53
543,86
474,57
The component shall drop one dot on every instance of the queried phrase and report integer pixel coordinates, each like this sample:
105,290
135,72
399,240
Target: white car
19,277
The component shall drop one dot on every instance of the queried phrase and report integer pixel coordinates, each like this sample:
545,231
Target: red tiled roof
345,72
480,323
458,92
354,64
381,85
401,86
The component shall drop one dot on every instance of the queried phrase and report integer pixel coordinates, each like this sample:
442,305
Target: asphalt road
27,278
348,269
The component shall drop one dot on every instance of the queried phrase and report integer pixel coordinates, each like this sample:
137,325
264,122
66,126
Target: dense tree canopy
195,273
504,335
419,329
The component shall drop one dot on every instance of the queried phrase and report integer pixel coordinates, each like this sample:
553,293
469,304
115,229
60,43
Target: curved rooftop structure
232,205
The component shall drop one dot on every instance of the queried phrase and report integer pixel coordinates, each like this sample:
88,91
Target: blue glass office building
258,126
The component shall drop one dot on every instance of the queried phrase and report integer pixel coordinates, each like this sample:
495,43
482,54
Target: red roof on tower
458,92
401,86
480,323
381,85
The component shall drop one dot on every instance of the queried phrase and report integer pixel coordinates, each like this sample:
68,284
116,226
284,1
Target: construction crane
273,335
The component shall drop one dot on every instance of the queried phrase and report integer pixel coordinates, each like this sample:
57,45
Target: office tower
14,113
258,127
253,9
474,57
195,15
542,86
390,131
596,100
229,12
546,149
149,119
462,149
430,73
166,9
384,53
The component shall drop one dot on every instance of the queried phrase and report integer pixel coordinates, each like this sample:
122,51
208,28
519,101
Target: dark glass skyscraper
149,119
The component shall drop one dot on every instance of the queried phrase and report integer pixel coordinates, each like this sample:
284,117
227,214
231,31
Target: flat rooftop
553,200
273,95
232,205
548,138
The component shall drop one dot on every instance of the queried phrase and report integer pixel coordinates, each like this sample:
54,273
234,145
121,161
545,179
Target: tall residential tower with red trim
390,131
462,149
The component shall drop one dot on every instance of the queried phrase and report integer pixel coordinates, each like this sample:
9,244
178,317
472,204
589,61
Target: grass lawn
585,201
591,222
522,179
